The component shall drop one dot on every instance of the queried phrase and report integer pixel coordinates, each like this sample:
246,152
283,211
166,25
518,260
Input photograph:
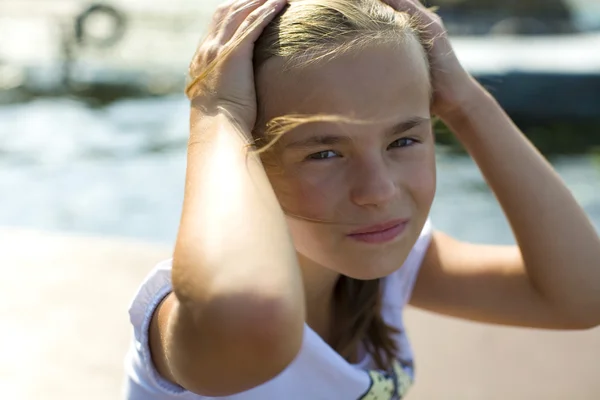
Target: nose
373,184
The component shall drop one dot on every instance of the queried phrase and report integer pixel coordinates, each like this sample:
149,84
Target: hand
229,84
453,86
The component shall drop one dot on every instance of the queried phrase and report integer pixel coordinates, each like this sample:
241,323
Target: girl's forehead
372,82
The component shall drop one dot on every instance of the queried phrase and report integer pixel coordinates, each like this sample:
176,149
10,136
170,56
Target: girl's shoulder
143,380
153,289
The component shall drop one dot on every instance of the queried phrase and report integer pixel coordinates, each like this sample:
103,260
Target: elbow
581,322
586,324
234,345
583,326
255,363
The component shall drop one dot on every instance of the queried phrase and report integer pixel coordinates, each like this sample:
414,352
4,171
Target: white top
317,373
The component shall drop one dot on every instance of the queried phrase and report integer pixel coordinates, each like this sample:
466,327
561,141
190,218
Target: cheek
306,197
425,184
304,200
421,181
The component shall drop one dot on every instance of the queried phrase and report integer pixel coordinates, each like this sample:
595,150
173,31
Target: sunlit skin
363,174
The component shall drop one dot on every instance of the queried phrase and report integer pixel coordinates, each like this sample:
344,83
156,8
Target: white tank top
317,373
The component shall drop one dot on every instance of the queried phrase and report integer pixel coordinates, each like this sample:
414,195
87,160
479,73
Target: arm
552,279
235,318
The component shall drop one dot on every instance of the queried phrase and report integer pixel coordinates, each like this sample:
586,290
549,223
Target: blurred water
119,170
586,13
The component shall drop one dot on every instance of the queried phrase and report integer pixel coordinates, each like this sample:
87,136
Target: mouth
380,233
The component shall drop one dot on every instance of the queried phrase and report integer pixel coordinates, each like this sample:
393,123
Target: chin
356,260
370,272
373,266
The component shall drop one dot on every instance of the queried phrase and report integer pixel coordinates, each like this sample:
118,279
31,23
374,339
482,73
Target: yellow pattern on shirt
388,386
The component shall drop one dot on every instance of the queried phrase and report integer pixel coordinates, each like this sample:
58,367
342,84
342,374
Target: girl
310,177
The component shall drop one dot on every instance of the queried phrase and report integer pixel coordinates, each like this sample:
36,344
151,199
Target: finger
423,16
213,26
415,9
256,22
403,4
219,15
237,14
223,26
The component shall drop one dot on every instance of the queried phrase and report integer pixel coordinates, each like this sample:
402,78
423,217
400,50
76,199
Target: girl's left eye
403,142
322,155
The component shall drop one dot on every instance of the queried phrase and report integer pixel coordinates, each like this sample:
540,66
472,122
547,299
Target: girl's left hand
452,85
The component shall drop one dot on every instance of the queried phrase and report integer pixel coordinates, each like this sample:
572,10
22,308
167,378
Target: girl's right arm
236,315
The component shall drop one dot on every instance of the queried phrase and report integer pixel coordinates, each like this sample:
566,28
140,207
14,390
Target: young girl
311,173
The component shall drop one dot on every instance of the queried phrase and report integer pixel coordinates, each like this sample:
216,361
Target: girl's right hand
228,84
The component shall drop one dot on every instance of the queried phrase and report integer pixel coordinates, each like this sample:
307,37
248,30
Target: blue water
120,171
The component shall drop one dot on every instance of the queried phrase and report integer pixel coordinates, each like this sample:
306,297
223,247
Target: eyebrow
329,140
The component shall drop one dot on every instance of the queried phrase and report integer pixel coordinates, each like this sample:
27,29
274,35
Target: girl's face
354,176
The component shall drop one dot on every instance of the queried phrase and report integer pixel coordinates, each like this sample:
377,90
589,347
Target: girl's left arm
552,279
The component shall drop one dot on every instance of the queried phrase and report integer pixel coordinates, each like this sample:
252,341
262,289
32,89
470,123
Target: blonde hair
310,31
313,31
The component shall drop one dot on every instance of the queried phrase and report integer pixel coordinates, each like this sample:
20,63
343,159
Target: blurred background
94,123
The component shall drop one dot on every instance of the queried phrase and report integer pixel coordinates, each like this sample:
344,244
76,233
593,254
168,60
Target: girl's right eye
322,155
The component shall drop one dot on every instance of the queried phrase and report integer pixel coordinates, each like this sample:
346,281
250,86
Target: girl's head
348,82
343,86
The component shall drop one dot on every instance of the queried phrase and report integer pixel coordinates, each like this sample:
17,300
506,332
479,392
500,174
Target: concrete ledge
457,360
65,325
65,331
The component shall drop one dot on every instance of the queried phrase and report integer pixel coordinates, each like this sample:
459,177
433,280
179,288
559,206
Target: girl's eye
322,155
403,142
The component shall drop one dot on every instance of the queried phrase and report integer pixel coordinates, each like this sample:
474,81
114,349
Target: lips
380,233
379,227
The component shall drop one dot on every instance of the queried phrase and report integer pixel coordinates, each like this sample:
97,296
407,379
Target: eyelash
315,156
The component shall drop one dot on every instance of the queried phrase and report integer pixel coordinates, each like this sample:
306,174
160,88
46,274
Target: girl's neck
319,284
